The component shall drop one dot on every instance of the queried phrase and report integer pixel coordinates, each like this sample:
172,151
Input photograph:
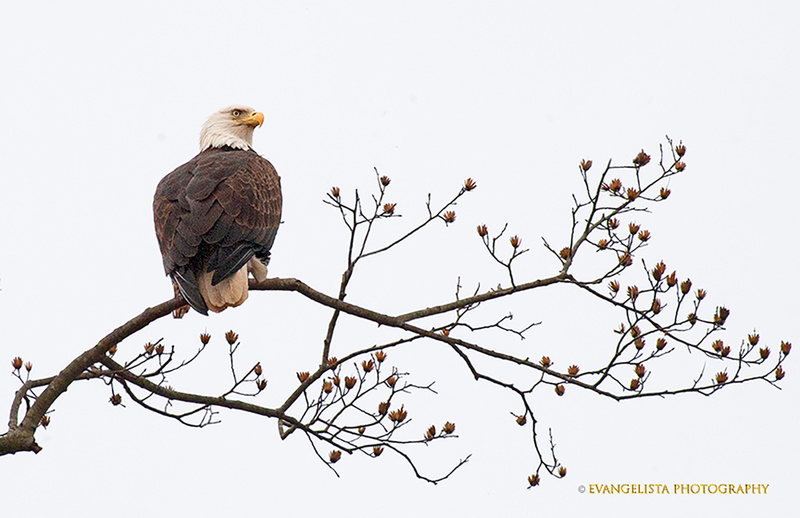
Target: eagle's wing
214,214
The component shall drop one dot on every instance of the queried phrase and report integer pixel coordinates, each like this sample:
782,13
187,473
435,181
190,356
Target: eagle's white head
232,126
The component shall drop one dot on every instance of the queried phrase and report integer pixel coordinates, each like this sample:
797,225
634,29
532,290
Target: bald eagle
216,216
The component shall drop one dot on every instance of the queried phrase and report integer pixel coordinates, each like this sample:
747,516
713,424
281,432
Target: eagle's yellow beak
255,119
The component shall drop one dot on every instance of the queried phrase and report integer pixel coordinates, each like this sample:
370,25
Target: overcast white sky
99,101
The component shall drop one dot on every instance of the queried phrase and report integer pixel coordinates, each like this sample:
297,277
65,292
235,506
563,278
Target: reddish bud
641,159
639,370
633,228
430,433
635,332
613,223
545,362
469,184
115,399
361,430
753,339
332,361
644,235
573,370
385,181
302,376
533,480
656,307
562,471
388,208
779,373
335,192
613,286
672,279
680,149
380,356
717,345
261,384
367,365
335,456
45,421
398,416
16,363
377,450
633,292
28,366
560,390
391,380
659,270
786,347
449,427
112,350
383,407
721,378
764,353
205,338
721,315
701,294
602,244
634,383
257,369
680,166
482,230
615,185
349,382
565,252
521,420
586,165
515,241
449,216
664,192
631,193
639,344
231,337
625,259
661,343
327,387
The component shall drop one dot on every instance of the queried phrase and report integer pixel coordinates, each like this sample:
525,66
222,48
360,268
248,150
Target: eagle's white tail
257,269
232,291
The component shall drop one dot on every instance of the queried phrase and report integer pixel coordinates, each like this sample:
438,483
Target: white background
99,101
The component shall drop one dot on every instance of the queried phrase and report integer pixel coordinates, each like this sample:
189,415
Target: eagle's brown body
213,216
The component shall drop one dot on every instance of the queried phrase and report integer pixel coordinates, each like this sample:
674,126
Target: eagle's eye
236,113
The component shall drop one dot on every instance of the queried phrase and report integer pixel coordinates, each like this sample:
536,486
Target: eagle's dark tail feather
187,284
225,261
